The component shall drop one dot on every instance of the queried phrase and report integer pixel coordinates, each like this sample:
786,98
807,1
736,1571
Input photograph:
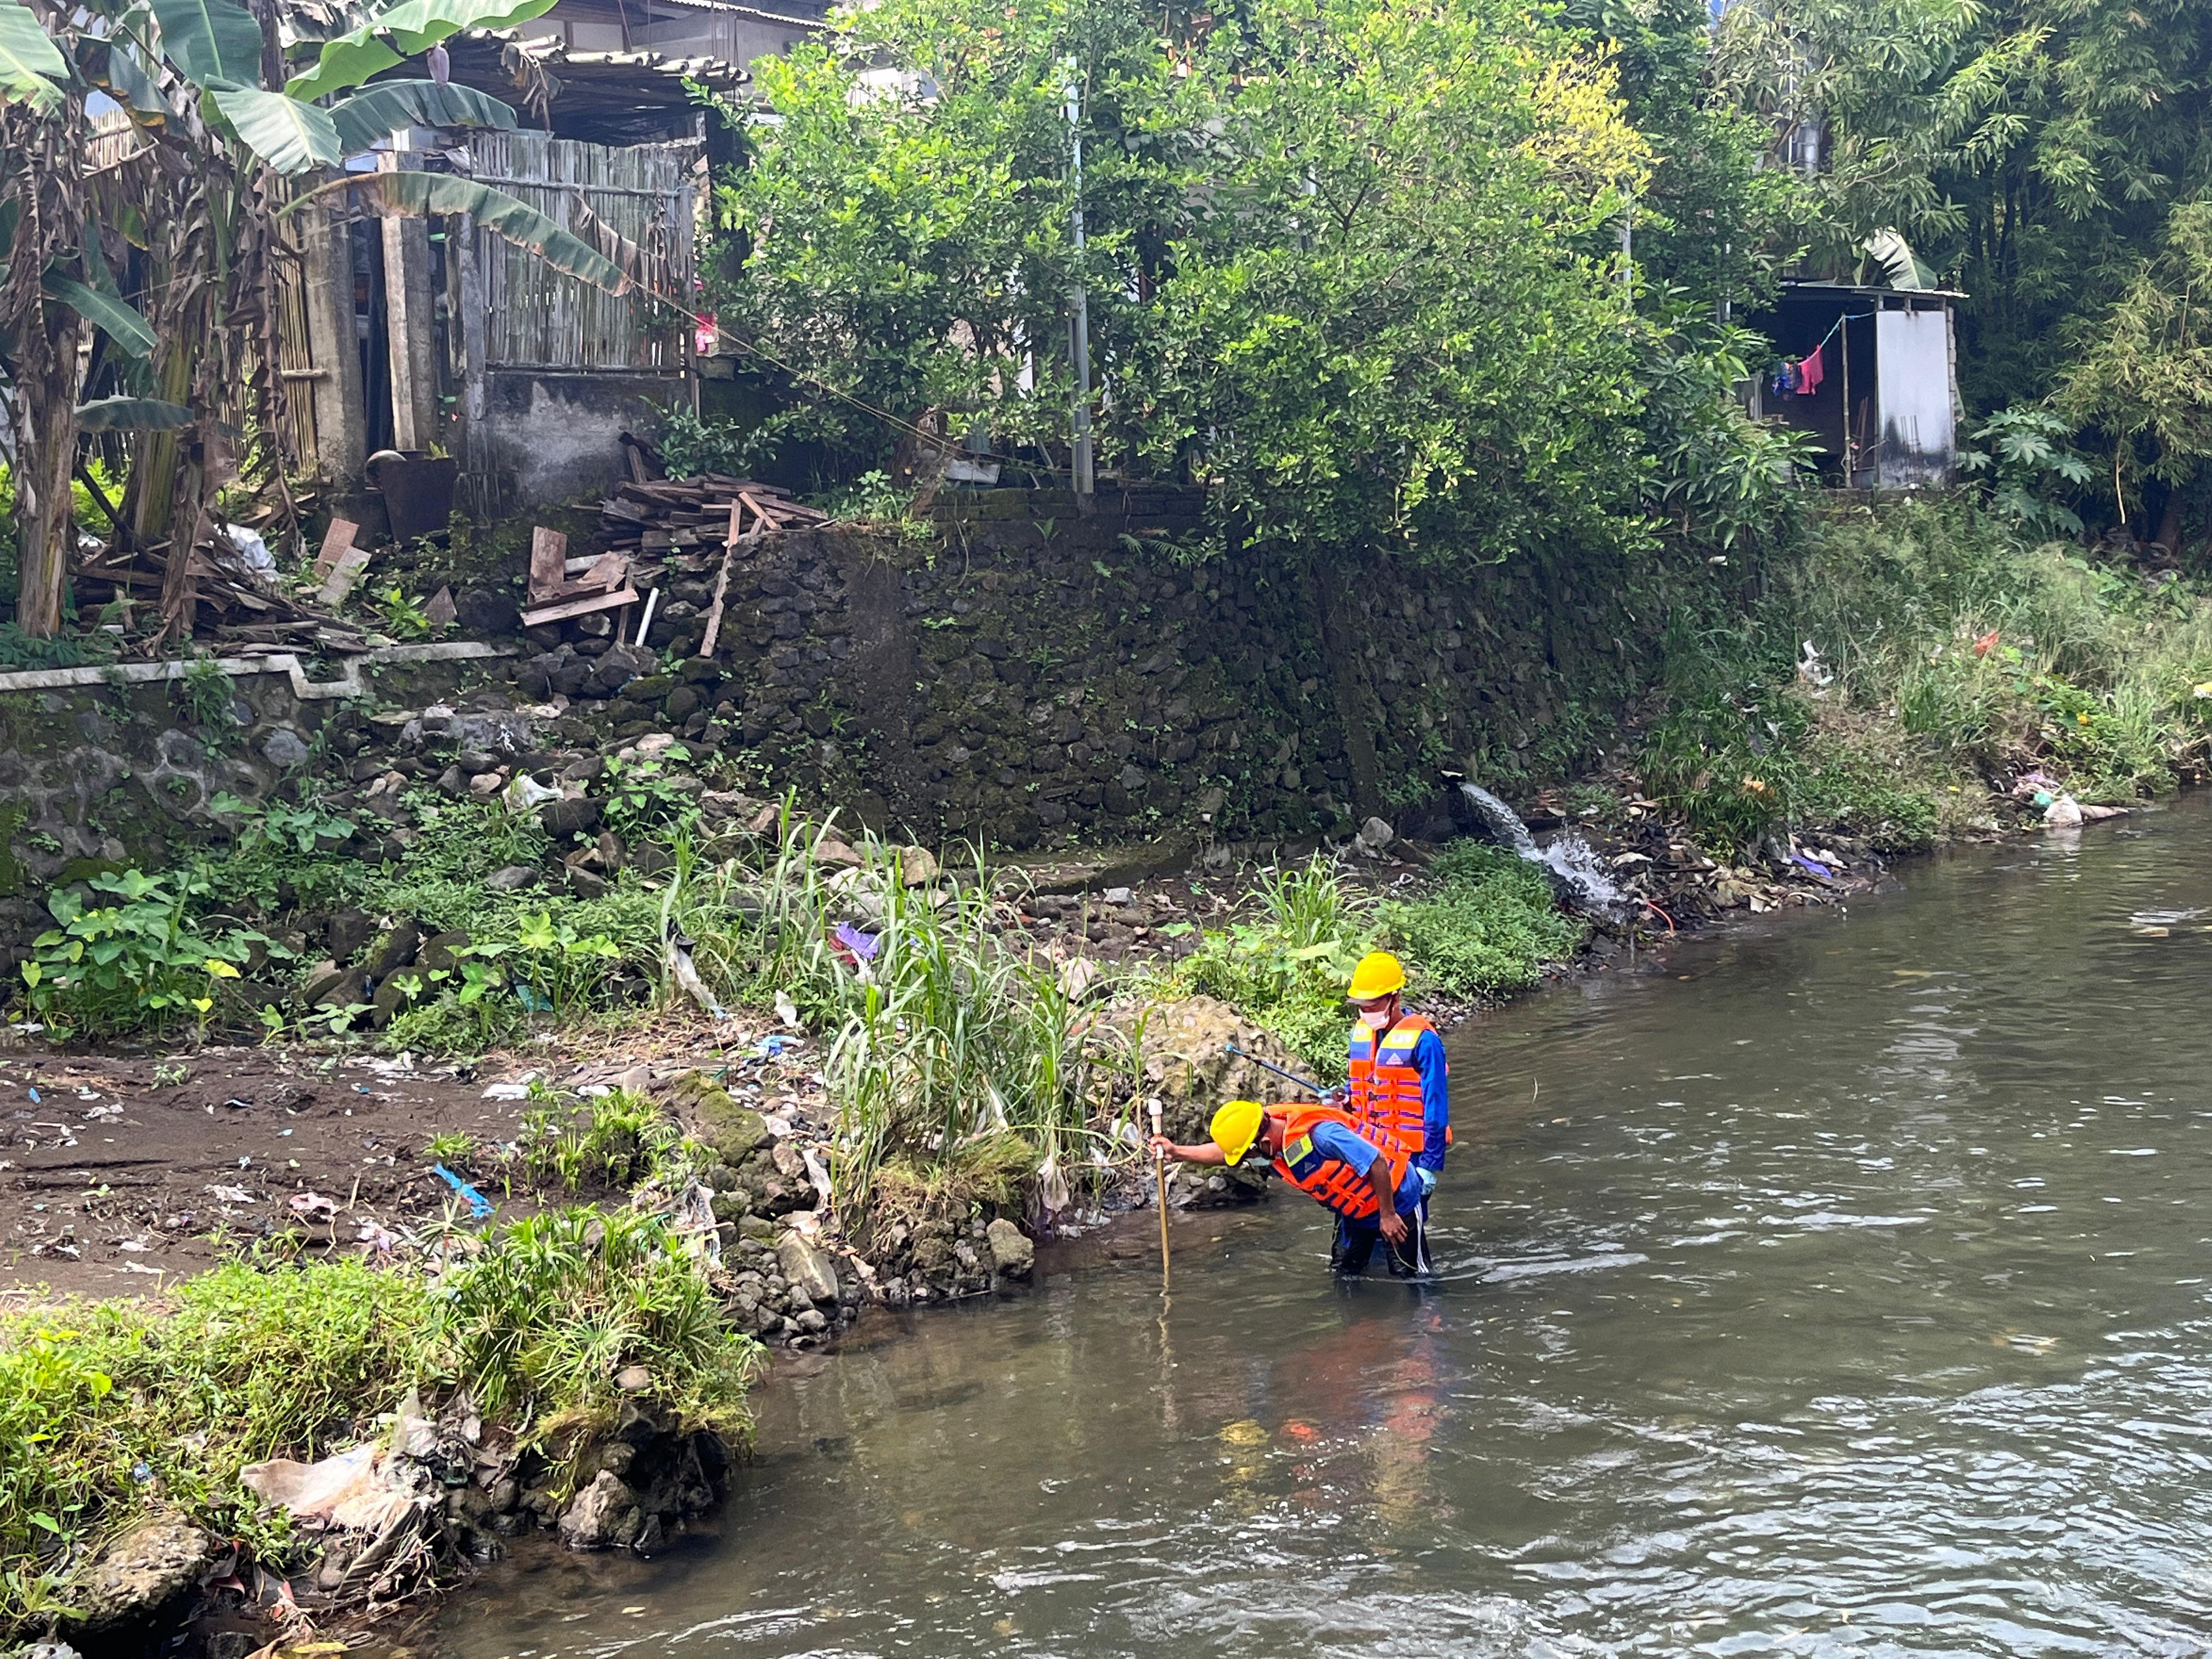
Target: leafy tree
2142,376
2028,151
900,243
1388,329
1355,264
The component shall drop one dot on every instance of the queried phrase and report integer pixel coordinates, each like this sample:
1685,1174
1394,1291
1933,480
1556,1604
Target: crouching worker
1320,1150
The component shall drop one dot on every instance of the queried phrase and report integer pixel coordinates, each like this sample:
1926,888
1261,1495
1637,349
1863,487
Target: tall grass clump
1285,965
960,1066
1909,656
537,1328
108,1409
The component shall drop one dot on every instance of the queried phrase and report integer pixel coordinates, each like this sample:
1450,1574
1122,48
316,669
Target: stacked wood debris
648,528
235,602
661,520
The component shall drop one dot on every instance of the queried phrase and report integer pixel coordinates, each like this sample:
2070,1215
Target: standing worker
1373,1190
1398,1085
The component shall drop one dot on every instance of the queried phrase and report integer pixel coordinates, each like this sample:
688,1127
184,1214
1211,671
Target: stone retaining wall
1029,677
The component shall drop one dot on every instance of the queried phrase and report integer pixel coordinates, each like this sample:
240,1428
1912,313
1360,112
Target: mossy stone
734,1132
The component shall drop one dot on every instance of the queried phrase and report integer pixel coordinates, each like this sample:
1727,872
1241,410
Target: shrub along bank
518,1361
1924,669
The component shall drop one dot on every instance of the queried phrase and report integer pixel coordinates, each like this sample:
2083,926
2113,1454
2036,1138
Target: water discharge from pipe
1577,874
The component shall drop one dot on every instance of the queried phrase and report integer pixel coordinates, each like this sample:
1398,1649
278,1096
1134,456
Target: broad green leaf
124,325
372,112
506,217
127,414
211,40
412,26
290,135
345,62
112,65
28,57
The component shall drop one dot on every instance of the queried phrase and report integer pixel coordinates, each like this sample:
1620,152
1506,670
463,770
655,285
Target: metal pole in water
1160,1181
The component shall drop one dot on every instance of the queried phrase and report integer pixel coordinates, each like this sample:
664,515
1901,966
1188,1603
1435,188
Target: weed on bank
110,1410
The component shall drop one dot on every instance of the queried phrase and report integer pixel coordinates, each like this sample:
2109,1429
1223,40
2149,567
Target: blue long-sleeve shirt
1349,1147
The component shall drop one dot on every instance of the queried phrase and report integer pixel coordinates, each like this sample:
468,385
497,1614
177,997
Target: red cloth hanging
1810,371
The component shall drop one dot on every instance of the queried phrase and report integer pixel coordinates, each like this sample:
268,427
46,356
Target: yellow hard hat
1379,974
1235,1127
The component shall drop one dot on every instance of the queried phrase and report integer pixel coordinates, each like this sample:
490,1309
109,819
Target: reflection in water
1836,1289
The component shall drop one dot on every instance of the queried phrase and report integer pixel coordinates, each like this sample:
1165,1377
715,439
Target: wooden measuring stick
1160,1179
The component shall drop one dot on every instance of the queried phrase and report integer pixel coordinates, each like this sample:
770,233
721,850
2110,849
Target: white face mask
1375,1018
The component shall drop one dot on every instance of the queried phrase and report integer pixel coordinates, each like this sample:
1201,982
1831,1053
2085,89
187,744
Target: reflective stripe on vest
1386,1097
1333,1182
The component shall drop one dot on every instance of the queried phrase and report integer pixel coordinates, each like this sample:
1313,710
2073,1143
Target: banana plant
224,125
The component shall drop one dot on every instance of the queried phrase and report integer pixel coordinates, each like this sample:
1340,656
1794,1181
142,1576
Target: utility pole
1079,300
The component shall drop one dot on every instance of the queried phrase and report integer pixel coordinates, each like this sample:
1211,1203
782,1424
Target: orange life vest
1333,1182
1385,1094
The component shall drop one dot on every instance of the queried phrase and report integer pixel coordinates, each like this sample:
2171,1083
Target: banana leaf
211,40
373,111
28,57
504,216
411,26
127,414
290,135
122,324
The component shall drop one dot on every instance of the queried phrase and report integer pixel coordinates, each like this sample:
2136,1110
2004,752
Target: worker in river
1398,1084
1373,1190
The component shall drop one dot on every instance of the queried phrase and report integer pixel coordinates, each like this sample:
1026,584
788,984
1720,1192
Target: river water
1841,1287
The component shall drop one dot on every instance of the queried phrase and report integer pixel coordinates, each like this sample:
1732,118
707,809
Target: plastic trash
773,1047
863,946
253,551
525,794
687,976
479,1206
2064,813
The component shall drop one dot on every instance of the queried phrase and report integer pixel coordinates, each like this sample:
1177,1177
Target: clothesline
1801,376
1839,322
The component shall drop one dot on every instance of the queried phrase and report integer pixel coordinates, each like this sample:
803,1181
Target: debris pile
651,531
233,580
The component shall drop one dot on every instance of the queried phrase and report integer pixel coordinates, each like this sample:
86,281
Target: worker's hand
1393,1227
1161,1147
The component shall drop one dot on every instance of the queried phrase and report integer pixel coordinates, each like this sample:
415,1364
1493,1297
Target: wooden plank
337,539
343,574
549,559
580,607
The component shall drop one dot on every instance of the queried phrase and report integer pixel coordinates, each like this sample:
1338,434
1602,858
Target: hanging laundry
1811,371
1785,379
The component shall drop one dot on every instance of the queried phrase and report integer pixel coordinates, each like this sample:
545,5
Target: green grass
110,1408
1285,966
950,1037
1490,925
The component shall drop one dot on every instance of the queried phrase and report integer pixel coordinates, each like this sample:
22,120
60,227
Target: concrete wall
1913,379
548,438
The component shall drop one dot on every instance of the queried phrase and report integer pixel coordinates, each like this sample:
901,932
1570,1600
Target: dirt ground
117,1175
